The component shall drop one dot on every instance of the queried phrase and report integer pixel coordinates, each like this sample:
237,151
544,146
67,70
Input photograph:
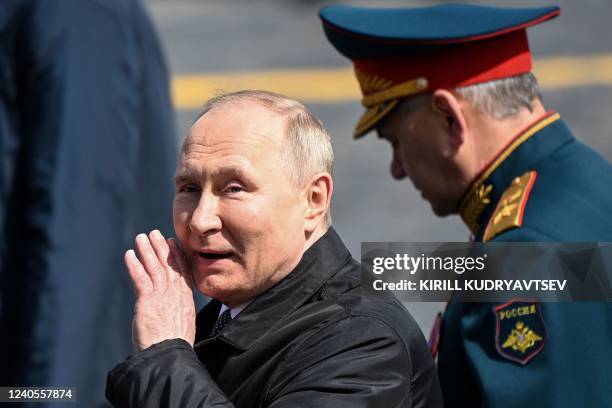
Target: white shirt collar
235,310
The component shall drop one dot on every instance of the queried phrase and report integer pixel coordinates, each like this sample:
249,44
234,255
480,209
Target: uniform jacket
316,339
566,197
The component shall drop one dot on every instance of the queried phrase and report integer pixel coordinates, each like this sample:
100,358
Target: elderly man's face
237,214
419,142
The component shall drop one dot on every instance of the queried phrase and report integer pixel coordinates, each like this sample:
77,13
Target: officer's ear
318,193
446,104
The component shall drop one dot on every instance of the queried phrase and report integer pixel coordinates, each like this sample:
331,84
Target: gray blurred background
213,41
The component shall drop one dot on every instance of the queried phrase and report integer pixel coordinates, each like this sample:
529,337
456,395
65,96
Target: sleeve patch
521,332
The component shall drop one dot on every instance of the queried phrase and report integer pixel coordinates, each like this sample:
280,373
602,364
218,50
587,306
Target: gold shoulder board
509,211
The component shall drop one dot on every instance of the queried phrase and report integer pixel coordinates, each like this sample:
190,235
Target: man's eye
234,188
188,188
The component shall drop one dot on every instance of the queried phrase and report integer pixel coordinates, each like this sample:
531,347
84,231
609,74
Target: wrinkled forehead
249,136
237,124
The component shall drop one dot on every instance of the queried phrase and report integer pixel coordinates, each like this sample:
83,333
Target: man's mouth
214,255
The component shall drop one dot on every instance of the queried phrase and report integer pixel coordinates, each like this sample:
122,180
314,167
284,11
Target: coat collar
318,264
521,154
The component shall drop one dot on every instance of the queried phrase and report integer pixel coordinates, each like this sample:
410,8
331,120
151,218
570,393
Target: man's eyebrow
230,171
183,174
237,171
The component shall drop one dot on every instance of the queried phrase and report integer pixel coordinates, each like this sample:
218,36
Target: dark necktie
224,319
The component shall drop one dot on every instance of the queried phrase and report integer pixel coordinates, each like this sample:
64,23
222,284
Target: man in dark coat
87,147
450,88
291,325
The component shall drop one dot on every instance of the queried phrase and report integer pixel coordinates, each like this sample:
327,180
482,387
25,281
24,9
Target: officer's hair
500,99
503,98
308,148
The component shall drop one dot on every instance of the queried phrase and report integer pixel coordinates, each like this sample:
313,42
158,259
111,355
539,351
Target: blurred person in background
451,89
87,152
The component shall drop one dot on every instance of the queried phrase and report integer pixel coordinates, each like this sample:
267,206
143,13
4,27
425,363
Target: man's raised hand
164,297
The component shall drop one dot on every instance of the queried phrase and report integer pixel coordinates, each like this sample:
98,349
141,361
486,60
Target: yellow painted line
570,72
313,85
333,85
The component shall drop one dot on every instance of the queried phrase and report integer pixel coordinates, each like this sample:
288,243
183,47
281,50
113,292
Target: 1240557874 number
37,394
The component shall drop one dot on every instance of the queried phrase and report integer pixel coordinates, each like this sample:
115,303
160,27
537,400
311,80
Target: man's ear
318,199
447,104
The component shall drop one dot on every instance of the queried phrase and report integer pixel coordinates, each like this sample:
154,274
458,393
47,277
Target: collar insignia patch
521,332
474,206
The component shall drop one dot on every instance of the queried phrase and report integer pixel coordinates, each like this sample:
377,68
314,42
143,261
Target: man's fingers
140,278
162,250
149,260
179,258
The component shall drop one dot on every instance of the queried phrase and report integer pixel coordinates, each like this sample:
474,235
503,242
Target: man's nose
205,219
397,169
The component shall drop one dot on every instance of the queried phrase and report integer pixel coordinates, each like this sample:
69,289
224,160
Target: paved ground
241,36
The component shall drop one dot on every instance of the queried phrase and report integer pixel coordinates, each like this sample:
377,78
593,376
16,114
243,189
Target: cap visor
371,117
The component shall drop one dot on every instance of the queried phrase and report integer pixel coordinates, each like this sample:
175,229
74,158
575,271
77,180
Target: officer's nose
397,168
205,219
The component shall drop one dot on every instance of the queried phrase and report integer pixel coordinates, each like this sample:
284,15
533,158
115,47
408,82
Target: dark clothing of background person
87,154
316,339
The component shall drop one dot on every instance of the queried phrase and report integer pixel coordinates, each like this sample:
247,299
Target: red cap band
456,65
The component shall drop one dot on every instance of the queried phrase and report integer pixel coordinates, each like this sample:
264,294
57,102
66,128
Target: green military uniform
544,186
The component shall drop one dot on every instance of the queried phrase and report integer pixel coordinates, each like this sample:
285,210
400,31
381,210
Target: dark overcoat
317,339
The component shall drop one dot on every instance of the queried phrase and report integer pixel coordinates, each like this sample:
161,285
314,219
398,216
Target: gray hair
307,149
503,98
500,99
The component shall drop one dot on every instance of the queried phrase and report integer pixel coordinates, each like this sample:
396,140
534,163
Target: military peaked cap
400,52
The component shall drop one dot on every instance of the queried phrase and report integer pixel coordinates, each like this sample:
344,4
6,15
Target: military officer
451,88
